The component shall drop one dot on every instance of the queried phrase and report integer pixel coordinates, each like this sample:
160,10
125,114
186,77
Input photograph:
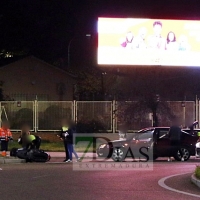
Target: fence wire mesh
50,114
18,113
95,116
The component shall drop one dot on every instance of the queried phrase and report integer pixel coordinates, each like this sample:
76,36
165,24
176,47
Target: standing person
122,132
62,136
5,137
175,136
192,127
69,138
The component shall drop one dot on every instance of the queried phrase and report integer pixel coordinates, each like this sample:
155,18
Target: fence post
198,111
0,113
35,116
75,111
184,109
114,116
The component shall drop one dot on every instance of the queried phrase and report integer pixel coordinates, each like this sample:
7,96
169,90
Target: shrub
51,118
22,116
92,126
197,172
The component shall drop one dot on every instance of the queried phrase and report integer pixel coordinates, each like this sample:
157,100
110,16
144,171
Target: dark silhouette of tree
1,91
136,113
1,94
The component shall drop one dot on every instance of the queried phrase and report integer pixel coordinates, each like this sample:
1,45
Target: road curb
11,161
195,180
162,184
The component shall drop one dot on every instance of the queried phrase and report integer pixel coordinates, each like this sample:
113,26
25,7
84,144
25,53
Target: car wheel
118,154
185,152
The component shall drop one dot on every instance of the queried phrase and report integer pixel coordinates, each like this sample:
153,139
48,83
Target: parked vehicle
198,150
155,139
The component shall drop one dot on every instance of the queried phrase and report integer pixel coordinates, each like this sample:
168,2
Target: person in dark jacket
192,127
62,136
34,142
27,140
23,140
175,136
69,140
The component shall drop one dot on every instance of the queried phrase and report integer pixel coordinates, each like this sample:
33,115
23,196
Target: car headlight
102,146
198,145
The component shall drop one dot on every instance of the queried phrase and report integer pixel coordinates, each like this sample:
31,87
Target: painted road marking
40,176
161,182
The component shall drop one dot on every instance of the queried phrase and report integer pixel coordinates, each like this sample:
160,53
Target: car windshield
144,135
131,136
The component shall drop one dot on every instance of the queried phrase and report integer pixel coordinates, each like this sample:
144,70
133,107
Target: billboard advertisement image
143,42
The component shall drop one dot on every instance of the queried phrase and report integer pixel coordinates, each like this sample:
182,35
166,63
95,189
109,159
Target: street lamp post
69,48
102,84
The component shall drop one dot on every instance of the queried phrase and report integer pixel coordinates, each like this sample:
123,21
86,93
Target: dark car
154,139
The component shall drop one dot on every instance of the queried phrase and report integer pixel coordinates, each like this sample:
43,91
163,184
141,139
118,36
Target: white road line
40,176
161,182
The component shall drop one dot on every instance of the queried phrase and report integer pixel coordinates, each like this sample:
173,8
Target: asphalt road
56,181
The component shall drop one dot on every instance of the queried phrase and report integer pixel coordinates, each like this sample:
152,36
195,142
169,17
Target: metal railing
102,115
18,113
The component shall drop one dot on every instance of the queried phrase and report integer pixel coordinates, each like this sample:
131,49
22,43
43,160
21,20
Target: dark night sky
43,28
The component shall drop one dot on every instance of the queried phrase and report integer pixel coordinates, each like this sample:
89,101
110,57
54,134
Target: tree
1,91
135,114
95,84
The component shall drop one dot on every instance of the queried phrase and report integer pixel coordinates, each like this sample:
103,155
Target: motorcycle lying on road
30,155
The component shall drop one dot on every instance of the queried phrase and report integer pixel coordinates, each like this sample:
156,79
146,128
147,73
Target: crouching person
33,142
5,137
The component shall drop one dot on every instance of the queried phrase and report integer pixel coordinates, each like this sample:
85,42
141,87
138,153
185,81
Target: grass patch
45,145
197,172
51,146
51,143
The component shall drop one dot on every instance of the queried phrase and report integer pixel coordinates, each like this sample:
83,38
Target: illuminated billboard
134,41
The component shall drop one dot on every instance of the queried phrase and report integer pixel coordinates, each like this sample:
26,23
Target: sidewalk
55,157
9,160
62,154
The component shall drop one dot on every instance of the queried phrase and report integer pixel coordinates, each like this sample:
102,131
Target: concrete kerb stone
11,160
195,180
